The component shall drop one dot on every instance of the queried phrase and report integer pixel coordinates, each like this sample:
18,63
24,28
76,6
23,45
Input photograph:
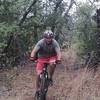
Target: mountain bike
44,81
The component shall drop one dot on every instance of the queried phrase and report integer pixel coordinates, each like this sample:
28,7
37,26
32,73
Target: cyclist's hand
32,59
58,61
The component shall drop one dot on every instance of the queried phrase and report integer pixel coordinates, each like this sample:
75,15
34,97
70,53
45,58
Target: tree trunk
27,12
55,11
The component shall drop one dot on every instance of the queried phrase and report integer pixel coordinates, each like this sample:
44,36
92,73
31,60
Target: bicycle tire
43,87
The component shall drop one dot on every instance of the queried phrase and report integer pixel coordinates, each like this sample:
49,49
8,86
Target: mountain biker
48,51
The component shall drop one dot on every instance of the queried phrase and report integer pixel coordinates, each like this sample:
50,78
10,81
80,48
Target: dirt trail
69,84
23,87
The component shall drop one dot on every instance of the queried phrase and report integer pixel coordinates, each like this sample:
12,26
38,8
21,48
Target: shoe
50,82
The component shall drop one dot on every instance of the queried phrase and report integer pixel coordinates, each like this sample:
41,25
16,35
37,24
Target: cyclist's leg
52,66
37,86
39,69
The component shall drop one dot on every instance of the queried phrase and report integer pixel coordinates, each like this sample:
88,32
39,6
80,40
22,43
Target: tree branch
57,5
55,11
26,13
70,6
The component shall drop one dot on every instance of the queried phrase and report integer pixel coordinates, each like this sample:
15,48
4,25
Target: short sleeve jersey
47,50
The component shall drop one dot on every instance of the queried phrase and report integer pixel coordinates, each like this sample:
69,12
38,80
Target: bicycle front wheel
43,88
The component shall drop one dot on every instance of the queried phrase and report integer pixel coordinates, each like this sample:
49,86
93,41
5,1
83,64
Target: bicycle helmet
48,34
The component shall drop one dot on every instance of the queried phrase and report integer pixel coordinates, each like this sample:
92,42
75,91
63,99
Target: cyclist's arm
35,49
58,54
57,49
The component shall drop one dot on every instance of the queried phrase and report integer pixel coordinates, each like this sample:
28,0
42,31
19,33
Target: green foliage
5,31
42,15
85,30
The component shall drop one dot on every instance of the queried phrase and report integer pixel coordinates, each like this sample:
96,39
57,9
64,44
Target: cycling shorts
41,61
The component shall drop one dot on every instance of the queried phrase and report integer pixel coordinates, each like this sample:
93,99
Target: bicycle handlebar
35,60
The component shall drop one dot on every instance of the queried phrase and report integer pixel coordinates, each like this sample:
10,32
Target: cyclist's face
48,40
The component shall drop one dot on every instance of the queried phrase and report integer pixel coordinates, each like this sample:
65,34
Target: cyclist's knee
53,64
39,71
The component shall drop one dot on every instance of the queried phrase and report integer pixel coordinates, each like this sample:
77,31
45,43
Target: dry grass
69,84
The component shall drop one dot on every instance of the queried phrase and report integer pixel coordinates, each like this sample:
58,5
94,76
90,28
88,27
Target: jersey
47,50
